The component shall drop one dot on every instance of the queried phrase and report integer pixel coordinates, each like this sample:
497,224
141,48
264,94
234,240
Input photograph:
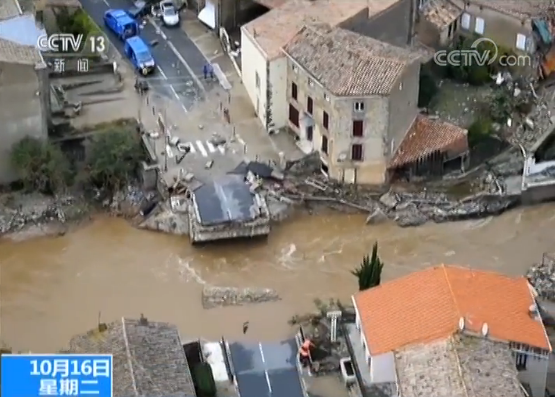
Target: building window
257,80
356,152
465,21
521,359
294,91
310,83
358,128
293,115
324,146
325,170
359,106
309,133
309,105
326,120
327,97
521,41
480,25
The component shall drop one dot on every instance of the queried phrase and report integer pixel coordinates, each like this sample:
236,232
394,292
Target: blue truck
127,30
138,53
119,22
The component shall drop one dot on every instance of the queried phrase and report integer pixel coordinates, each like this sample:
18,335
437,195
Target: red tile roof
427,136
428,305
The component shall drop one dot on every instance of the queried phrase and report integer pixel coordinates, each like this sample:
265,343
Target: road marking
161,72
211,147
241,141
193,150
221,149
175,94
202,149
180,57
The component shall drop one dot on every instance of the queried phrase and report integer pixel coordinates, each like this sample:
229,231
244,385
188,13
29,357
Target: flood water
52,288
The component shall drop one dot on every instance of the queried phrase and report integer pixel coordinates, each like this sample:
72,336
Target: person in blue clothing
208,70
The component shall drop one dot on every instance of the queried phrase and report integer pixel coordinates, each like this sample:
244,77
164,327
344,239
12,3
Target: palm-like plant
369,273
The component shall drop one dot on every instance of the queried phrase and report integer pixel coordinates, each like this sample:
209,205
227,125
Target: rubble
230,296
542,277
18,212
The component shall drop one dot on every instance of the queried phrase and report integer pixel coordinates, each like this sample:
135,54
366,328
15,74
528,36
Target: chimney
533,311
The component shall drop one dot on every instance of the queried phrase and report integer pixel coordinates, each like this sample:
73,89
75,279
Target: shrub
113,158
42,166
479,130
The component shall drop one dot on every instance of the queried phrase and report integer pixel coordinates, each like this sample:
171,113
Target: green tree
113,158
369,273
42,166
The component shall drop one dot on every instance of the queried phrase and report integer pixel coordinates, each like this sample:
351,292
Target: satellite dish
485,329
461,324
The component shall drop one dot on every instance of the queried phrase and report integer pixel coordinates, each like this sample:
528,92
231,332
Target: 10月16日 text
37,375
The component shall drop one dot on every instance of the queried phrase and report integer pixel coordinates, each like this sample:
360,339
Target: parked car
169,14
139,54
119,22
139,10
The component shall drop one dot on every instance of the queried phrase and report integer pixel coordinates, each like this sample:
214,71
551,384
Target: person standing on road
211,71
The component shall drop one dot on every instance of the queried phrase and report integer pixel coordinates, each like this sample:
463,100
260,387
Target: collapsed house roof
223,200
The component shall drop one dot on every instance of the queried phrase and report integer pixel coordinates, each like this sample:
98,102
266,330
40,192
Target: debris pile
230,296
415,209
37,210
542,277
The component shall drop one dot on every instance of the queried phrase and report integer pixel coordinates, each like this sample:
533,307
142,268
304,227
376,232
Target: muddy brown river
52,288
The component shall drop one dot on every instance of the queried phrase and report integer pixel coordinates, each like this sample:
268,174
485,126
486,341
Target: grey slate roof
226,199
18,39
460,366
346,63
148,359
266,369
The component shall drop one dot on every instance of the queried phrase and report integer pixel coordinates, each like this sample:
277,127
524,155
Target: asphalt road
179,61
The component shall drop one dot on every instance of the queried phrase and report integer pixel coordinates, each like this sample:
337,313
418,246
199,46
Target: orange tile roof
427,305
427,136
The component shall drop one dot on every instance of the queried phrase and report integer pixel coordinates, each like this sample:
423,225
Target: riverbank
24,216
484,192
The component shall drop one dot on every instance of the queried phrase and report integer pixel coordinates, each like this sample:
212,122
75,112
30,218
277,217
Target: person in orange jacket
304,352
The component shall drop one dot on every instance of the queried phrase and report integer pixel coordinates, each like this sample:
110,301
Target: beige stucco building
264,65
352,99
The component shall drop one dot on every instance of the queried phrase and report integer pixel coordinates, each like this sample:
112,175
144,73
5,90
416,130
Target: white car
169,14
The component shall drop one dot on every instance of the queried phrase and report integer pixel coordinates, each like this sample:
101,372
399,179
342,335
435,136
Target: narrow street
179,62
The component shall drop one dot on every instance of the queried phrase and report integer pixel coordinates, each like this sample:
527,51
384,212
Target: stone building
351,98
